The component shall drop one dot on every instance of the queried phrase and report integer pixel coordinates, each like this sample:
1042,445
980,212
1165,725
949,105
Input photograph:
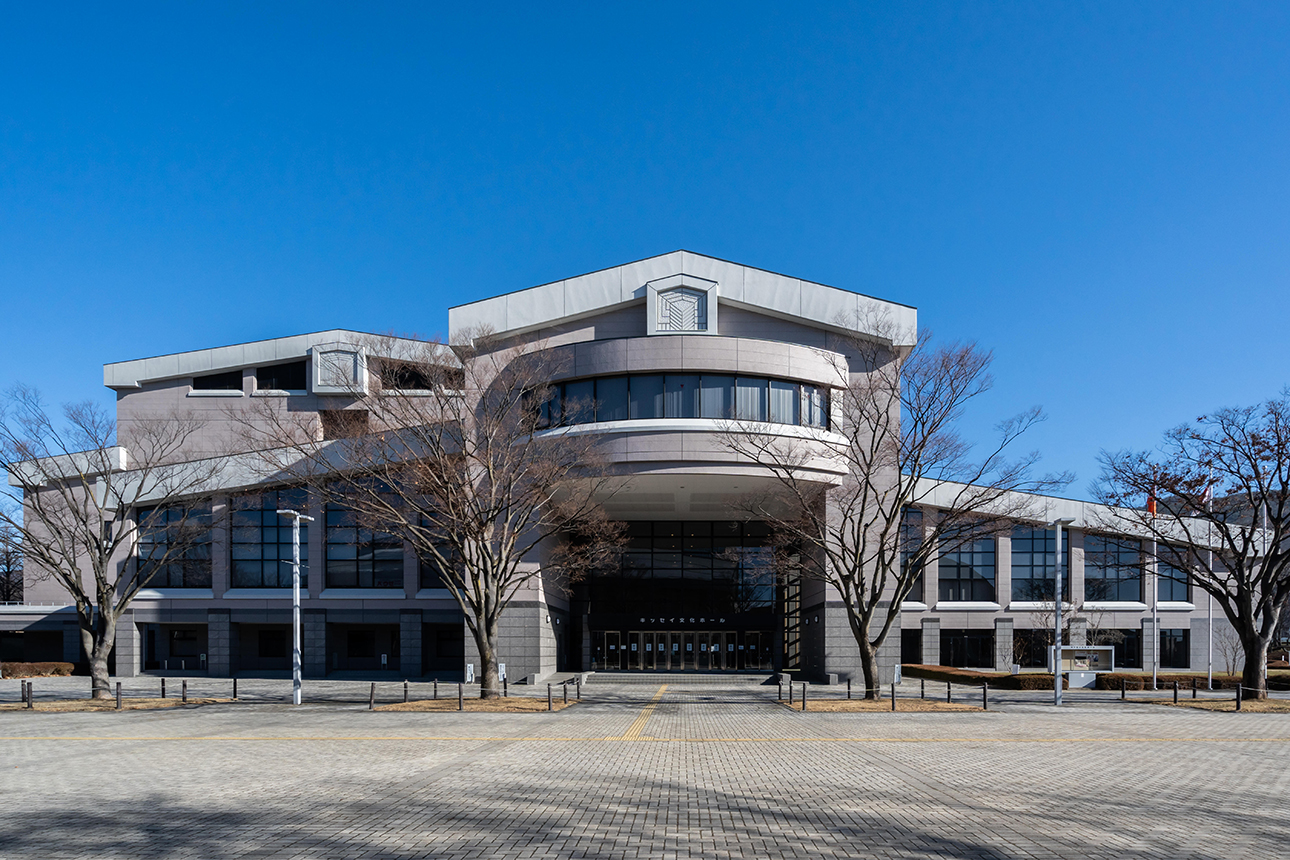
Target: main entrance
682,650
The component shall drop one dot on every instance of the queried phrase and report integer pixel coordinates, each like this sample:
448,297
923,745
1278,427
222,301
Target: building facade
662,354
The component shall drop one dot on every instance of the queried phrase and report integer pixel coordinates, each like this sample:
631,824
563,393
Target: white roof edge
574,298
132,374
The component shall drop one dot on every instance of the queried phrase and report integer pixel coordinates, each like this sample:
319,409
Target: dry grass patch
78,705
853,706
509,705
1254,706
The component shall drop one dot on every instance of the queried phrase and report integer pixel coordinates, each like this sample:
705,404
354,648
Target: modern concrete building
668,349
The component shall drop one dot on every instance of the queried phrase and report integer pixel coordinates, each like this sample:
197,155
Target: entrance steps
715,679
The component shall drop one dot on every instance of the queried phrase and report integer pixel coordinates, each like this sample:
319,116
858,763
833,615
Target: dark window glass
1034,553
1112,569
359,557
682,396
646,396
716,396
404,376
611,399
968,648
1171,580
360,643
580,402
281,377
174,547
273,643
750,399
229,381
1128,650
911,536
1175,649
260,543
967,573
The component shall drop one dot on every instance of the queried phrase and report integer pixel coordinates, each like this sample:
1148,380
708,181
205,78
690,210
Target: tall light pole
296,517
1057,610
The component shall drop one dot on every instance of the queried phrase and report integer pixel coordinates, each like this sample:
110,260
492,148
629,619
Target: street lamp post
1057,610
296,517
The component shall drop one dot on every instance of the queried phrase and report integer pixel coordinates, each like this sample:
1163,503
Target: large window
1175,649
967,573
1171,581
686,395
967,648
360,557
175,547
911,535
1034,552
260,543
230,380
281,377
1112,569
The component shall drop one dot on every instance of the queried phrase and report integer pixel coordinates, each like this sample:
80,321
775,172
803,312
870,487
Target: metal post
371,698
235,689
947,692
118,695
790,692
848,688
405,691
780,684
461,697
985,696
566,692
1175,692
1238,695
922,688
1057,610
549,704
505,689
893,695
183,688
163,688
803,696
296,517
436,688
1193,688
1124,687
1155,620
578,688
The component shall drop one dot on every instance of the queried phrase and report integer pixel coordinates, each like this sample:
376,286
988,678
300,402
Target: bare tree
453,450
1214,502
894,448
1228,645
80,504
10,564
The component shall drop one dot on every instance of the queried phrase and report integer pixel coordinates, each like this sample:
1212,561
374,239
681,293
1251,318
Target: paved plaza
638,770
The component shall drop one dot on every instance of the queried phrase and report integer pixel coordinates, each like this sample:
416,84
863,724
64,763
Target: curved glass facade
687,395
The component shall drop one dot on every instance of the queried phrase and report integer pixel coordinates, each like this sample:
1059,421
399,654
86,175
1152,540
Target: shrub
998,680
36,670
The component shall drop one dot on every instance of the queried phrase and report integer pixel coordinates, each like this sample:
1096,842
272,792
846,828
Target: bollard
780,685
803,697
550,706
566,692
1193,688
118,695
1124,686
371,697
461,697
578,688
1175,692
163,688
506,693
922,688
26,693
184,688
947,692
893,695
405,691
848,688
235,689
1238,696
790,692
985,696
436,688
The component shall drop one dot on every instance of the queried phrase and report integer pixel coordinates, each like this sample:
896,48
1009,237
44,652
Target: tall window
1171,581
260,544
911,535
1175,649
1112,569
1034,552
175,547
967,573
360,557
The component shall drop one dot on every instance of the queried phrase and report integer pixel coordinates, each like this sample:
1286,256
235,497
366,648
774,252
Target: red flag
1151,503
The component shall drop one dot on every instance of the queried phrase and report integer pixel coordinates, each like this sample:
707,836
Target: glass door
634,651
613,650
649,656
597,650
703,655
690,653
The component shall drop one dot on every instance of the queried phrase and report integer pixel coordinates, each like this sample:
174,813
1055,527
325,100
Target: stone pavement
694,770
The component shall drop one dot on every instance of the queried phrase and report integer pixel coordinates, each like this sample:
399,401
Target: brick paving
700,770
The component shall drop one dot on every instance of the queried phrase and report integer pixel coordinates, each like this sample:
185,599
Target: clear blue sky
1099,192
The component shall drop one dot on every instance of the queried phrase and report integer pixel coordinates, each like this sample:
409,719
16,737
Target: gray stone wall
410,642
931,641
1003,629
127,646
219,641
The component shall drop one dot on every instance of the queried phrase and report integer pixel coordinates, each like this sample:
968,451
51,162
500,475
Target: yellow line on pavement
633,732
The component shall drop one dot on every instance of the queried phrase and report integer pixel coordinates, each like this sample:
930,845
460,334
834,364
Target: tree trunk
1256,661
869,665
490,685
97,641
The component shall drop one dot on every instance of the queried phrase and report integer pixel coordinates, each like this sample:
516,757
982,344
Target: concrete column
313,641
1003,569
1003,628
219,638
931,641
126,646
410,643
1079,631
1076,571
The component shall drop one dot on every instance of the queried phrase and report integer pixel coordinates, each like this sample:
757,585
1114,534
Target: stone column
931,641
1150,643
1003,569
410,642
1003,644
1079,631
1076,571
219,639
126,646
313,641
